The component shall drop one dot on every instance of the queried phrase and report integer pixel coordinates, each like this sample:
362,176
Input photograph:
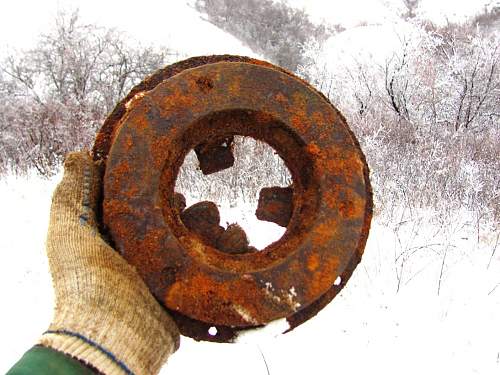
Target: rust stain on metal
205,84
275,205
234,241
216,155
178,202
202,274
203,218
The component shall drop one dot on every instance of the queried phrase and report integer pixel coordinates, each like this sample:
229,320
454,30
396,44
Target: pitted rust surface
203,218
234,241
203,101
216,155
179,202
275,205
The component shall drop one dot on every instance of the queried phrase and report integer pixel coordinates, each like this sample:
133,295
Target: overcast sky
169,22
147,21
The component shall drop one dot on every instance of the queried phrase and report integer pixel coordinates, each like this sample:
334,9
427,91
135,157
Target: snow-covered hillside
355,12
374,30
174,24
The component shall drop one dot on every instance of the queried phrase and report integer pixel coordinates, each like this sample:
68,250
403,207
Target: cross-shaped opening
224,206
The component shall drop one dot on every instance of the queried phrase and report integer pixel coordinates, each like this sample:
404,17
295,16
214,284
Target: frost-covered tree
272,28
56,94
412,7
427,117
469,79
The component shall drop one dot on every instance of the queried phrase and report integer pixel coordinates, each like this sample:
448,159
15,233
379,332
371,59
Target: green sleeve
44,361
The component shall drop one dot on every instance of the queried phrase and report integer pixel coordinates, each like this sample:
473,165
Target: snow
355,12
374,30
270,331
444,11
259,233
373,43
346,13
25,284
173,24
370,326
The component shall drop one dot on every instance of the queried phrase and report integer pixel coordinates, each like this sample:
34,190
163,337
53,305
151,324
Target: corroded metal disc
201,100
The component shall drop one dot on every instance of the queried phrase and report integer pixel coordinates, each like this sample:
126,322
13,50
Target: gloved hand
104,314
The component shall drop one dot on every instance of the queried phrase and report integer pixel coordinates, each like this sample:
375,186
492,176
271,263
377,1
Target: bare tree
427,118
397,81
478,82
364,93
57,94
412,7
272,28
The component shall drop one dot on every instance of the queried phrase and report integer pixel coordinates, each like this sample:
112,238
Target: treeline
427,117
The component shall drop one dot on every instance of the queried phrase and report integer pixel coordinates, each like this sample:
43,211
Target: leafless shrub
256,166
489,18
57,94
411,7
428,121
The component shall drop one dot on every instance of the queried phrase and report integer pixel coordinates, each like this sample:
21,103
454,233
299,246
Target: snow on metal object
206,279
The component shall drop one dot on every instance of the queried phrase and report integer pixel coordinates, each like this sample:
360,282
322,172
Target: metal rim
332,196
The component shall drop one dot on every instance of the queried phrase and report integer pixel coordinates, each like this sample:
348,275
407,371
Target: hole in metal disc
235,190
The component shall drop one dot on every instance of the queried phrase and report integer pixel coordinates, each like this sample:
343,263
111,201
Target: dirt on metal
234,241
179,202
206,276
203,219
215,156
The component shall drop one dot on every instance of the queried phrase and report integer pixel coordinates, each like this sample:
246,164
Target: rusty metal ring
143,144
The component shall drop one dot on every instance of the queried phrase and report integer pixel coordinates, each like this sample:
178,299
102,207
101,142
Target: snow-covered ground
369,327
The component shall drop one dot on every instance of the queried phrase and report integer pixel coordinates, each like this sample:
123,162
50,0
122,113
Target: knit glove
104,314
